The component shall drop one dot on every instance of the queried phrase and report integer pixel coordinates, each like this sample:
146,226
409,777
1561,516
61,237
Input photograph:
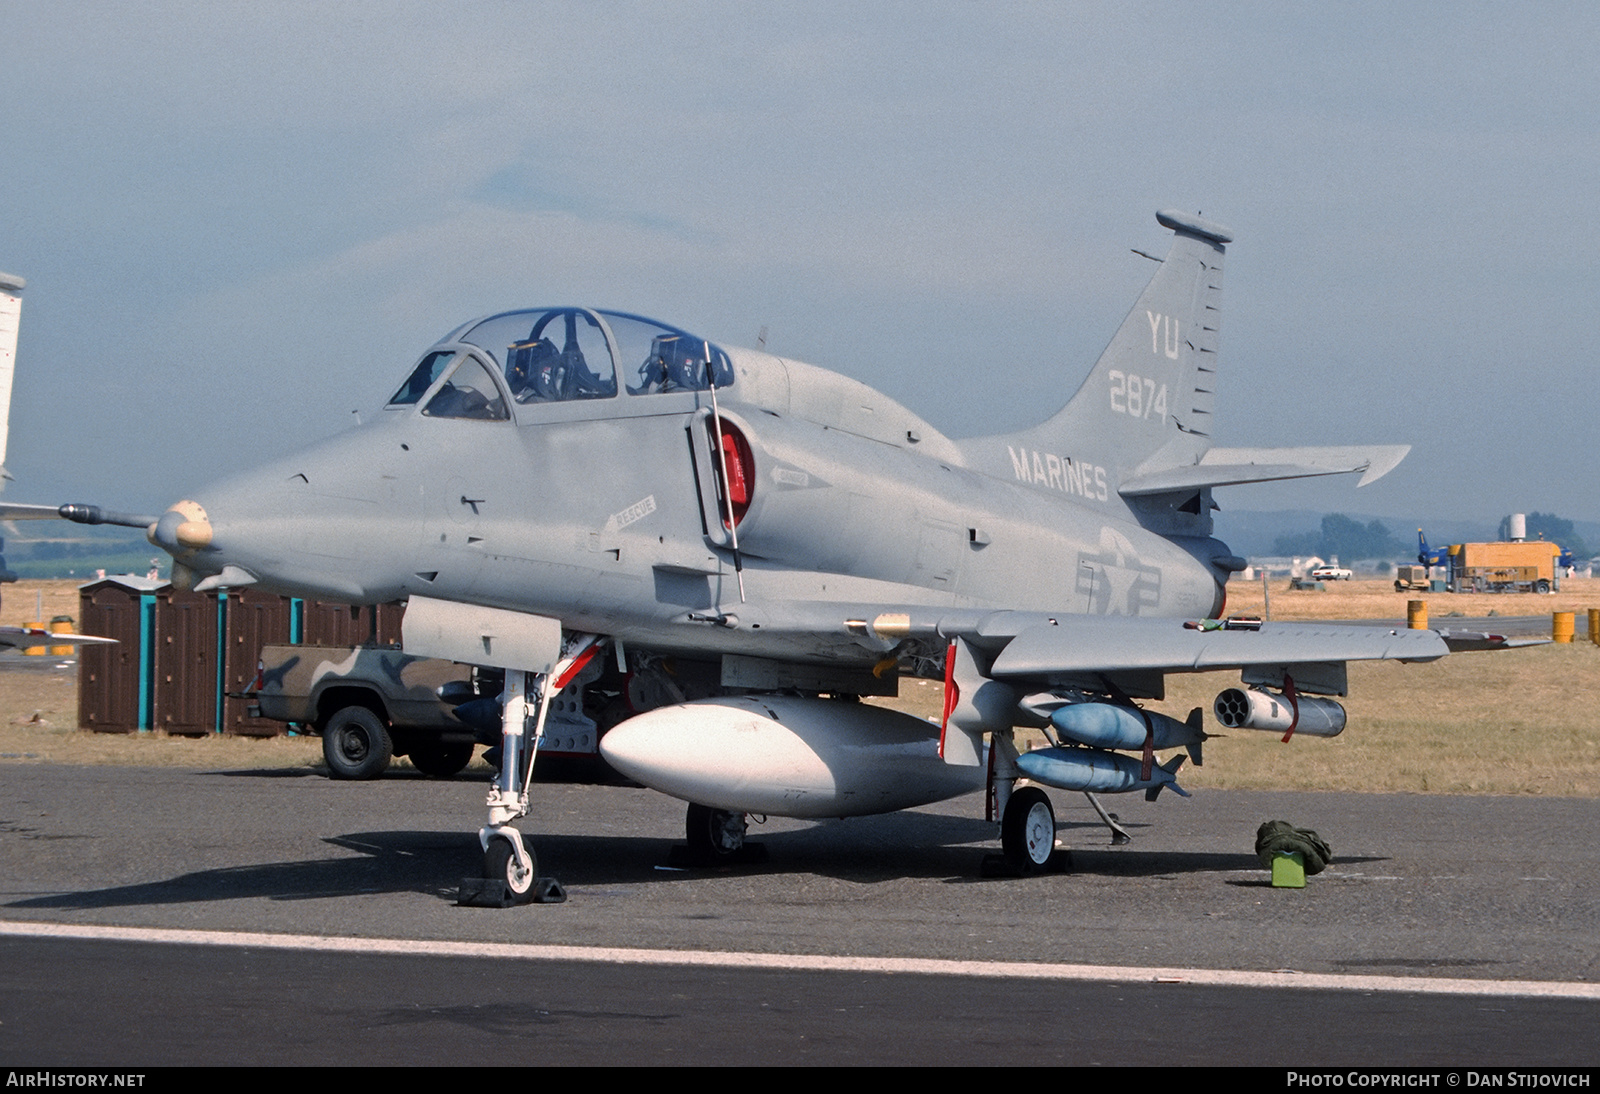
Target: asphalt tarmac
1497,891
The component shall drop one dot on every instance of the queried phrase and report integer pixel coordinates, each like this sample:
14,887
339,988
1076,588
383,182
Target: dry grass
1519,722
39,712
22,602
1514,722
1372,599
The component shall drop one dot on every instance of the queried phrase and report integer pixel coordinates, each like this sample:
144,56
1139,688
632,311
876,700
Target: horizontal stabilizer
1232,466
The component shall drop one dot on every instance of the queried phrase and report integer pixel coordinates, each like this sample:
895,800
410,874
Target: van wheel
355,744
439,759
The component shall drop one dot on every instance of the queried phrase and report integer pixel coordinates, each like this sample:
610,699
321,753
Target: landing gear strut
510,870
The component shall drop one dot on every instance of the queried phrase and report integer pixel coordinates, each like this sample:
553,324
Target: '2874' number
1137,395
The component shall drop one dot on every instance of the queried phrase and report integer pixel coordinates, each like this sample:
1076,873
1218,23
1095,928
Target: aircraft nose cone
182,528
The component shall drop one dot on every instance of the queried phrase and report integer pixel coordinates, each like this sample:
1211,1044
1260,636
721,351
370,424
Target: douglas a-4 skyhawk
713,553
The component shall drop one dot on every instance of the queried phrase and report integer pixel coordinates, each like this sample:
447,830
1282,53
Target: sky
240,223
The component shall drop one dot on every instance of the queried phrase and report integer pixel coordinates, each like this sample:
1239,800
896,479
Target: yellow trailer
1532,566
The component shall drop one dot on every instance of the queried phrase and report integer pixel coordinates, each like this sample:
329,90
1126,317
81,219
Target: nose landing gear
510,870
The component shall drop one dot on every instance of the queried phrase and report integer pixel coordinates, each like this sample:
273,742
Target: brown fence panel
328,624
108,676
185,663
254,620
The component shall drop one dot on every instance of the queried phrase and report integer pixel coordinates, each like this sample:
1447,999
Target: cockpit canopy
548,355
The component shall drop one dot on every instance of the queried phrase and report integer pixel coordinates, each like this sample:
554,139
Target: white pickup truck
1331,573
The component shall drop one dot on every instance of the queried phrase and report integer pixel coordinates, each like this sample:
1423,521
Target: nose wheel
510,874
502,863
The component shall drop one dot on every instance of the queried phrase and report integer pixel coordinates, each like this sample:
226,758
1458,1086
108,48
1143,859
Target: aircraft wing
1463,641
1040,644
1063,649
1233,466
1036,649
14,638
1076,645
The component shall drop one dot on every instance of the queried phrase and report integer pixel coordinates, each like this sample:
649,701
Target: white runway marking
1020,970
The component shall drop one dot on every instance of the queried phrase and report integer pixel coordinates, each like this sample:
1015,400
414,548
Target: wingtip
1384,460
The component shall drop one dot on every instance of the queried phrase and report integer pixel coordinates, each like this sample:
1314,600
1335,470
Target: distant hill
56,549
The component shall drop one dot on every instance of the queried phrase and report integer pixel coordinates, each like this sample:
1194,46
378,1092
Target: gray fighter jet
710,555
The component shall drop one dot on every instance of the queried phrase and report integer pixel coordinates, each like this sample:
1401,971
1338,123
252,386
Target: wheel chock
488,892
484,892
996,864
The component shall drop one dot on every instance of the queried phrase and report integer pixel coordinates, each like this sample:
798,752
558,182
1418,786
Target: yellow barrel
1561,626
35,651
1594,625
61,624
1417,615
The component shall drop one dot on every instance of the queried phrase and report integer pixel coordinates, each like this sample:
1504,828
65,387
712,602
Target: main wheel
1028,830
440,759
500,864
356,744
714,833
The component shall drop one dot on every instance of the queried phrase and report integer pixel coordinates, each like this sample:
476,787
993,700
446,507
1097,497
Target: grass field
1516,722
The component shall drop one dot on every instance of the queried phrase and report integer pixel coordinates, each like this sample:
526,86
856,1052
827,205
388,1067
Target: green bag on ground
1276,837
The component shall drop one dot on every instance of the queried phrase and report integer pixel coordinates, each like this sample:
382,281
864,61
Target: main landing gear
1028,830
1027,819
716,837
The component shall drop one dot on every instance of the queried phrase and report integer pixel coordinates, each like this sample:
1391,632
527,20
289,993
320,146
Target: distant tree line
1548,526
51,549
1345,538
1350,539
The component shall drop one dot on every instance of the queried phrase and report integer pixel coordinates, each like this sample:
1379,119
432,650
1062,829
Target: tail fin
1171,768
10,315
1149,400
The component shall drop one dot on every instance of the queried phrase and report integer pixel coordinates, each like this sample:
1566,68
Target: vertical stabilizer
1148,402
10,315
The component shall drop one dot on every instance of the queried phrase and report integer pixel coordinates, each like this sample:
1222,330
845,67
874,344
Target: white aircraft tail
1141,424
10,317
1150,399
1152,392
